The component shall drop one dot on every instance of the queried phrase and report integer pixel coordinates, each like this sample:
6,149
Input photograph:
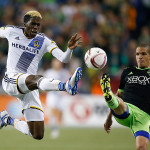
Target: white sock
22,126
48,84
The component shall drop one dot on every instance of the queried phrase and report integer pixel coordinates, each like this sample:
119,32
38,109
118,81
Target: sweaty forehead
35,19
142,49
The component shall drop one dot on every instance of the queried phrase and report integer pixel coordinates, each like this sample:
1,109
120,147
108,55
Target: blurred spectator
145,35
115,59
130,52
54,99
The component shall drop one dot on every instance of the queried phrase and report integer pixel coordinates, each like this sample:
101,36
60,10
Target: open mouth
34,32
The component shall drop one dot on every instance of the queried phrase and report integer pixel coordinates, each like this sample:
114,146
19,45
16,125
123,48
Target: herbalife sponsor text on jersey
26,48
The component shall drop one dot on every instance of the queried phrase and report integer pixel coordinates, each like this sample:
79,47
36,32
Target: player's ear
24,24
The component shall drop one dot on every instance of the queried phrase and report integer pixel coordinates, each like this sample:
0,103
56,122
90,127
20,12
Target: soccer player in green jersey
131,105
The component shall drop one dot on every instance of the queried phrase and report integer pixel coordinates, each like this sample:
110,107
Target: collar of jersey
142,69
27,36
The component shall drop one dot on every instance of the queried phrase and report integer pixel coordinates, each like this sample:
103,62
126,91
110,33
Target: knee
36,128
141,147
38,136
142,143
31,81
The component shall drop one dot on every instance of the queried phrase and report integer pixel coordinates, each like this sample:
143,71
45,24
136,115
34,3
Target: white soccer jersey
24,54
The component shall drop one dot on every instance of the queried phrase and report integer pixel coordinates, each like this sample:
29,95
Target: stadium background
116,26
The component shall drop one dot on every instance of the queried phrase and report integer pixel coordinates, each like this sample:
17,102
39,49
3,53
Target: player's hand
108,123
75,41
107,126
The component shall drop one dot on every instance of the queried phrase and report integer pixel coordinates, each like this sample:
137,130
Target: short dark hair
26,18
31,14
146,46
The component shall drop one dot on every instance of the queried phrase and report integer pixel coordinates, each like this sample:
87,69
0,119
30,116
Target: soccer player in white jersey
54,99
26,48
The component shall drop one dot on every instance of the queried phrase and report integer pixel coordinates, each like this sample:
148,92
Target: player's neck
143,68
26,34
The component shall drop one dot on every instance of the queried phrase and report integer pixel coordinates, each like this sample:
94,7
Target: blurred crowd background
114,25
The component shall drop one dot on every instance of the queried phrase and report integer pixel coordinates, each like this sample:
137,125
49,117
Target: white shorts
29,100
33,115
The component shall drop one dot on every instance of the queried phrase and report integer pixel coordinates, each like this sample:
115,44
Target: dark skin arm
108,122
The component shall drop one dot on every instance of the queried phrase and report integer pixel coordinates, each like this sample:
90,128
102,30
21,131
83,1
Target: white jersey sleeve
57,52
4,32
62,56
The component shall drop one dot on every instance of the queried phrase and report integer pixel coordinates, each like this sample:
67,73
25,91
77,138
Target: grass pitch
70,139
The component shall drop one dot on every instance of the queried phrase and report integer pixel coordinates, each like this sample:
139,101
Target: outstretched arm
64,57
108,123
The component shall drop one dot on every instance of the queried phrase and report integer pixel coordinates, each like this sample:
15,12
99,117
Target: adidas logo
17,38
130,73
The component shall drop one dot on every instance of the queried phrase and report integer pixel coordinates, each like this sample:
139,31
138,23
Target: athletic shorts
138,121
33,115
29,100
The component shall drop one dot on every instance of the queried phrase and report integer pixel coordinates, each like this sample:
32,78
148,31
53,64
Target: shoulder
42,35
8,30
12,28
46,37
128,70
